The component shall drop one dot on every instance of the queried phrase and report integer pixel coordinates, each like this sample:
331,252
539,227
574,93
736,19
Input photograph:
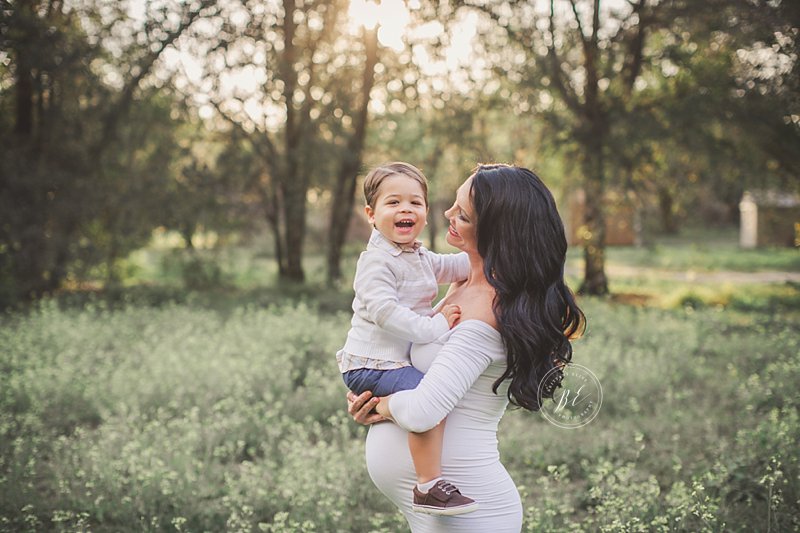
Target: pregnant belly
469,459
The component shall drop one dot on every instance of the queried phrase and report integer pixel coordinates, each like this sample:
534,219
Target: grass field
163,409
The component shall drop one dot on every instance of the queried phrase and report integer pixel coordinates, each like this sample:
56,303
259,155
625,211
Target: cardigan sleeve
449,268
467,354
376,287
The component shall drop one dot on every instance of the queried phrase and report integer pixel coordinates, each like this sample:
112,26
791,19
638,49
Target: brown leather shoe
444,498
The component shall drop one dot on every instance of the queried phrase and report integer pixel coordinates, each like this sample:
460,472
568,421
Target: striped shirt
394,289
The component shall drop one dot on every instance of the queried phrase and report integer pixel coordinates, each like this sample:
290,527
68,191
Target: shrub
187,417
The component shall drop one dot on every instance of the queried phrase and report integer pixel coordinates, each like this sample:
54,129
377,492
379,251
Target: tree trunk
24,89
187,232
433,228
294,207
292,184
666,204
434,214
594,239
275,217
345,188
23,125
595,128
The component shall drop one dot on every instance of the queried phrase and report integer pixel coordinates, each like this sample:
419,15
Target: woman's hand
360,408
383,408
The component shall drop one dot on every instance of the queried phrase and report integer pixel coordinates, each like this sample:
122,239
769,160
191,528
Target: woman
517,319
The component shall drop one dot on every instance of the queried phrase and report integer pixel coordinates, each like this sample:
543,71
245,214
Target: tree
344,187
300,108
63,140
714,116
590,59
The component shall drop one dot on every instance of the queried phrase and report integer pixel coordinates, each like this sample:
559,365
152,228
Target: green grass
223,410
701,251
201,395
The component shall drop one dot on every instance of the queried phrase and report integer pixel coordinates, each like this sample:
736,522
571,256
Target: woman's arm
465,356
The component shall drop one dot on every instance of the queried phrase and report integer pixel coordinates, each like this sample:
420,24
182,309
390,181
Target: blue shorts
382,382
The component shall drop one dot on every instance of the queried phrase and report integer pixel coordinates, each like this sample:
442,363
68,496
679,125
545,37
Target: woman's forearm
459,364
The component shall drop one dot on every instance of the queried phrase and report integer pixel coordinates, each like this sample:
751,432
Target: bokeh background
180,216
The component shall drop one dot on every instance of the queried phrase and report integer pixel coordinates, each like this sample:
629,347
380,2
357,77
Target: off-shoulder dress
460,369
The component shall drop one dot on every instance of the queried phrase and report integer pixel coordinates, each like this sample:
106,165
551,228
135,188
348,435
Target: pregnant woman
517,319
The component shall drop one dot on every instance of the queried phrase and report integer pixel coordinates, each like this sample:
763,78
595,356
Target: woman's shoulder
478,337
481,327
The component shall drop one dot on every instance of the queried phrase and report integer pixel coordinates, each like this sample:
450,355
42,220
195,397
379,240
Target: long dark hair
521,240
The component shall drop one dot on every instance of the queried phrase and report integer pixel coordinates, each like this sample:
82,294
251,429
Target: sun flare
391,17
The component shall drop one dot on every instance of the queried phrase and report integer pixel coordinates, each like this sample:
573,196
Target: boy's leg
426,448
432,495
382,382
426,452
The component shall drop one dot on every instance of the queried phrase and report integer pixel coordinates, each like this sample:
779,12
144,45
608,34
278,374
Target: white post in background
748,228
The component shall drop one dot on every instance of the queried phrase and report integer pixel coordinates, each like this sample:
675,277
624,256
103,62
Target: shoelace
447,487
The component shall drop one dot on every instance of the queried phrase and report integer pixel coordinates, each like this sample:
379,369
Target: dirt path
691,276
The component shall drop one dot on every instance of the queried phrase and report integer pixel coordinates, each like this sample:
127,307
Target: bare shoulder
476,304
452,294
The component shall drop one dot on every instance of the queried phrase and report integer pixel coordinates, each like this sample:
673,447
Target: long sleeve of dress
376,286
466,355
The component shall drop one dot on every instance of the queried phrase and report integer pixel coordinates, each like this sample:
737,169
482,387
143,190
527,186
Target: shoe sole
445,511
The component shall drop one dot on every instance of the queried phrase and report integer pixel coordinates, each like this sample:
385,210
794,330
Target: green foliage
215,416
159,417
91,158
707,256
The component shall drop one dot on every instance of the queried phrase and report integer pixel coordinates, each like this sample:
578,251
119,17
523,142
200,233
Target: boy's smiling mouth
405,223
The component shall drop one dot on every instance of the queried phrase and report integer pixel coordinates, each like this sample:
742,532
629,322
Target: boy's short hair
376,176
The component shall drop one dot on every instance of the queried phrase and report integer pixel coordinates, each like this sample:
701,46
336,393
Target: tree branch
567,93
260,140
142,69
635,49
580,24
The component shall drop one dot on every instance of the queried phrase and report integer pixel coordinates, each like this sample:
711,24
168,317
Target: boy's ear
370,213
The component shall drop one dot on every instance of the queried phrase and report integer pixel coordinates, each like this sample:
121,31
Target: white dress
460,368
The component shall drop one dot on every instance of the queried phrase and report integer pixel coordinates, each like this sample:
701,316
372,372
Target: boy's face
400,210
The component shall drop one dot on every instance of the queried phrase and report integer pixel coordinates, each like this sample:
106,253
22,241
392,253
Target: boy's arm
376,286
449,268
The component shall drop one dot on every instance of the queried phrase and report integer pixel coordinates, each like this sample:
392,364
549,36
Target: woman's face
463,226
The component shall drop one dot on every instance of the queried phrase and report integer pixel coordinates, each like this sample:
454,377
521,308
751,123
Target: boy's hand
452,313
